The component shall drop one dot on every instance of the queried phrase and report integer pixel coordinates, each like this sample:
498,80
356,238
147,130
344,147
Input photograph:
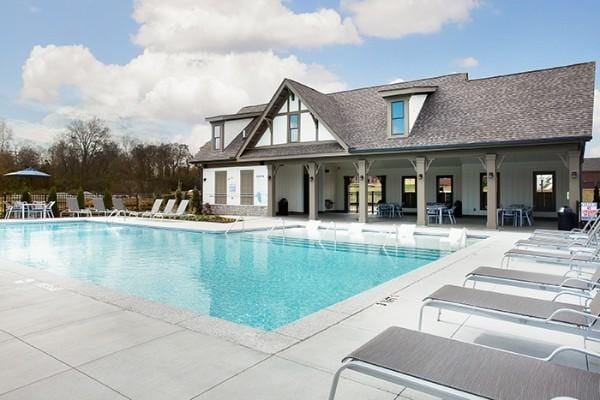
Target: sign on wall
588,210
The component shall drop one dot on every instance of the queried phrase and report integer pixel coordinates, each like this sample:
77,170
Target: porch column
420,169
271,190
574,179
312,169
492,195
363,190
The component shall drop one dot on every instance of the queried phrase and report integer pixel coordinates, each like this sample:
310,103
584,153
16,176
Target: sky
155,69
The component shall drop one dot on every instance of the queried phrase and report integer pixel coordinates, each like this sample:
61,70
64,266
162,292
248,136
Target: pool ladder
387,235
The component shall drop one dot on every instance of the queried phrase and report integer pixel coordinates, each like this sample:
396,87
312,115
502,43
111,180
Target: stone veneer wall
224,209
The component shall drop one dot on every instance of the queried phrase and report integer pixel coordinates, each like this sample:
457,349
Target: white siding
415,104
233,185
280,129
324,133
294,104
265,139
290,185
233,128
308,130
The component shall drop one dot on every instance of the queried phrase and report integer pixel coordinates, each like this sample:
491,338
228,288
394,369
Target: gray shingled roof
258,108
292,150
544,105
591,164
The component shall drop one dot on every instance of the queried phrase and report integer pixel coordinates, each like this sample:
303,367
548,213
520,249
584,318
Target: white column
492,195
363,190
312,170
420,165
271,190
574,179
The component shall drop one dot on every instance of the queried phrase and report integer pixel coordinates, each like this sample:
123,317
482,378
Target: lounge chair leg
439,316
336,379
421,315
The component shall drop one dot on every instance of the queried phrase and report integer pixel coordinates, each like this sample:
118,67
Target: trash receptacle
567,219
282,207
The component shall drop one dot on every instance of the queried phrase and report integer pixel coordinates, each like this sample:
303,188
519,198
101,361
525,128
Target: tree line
89,157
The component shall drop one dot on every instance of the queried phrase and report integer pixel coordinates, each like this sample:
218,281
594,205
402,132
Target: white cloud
236,26
399,18
467,62
593,147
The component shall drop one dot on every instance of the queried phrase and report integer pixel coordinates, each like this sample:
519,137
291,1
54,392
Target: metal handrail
234,223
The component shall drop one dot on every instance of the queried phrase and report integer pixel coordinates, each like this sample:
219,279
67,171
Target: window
247,187
444,189
483,190
218,137
544,196
409,191
221,187
397,117
294,126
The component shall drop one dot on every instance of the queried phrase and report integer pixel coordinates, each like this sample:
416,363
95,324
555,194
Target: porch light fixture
312,178
490,175
420,177
362,178
269,177
573,174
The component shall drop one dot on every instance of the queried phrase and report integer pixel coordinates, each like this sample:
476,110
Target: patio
65,339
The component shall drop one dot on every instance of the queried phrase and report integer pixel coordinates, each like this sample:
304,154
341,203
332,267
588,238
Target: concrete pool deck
65,339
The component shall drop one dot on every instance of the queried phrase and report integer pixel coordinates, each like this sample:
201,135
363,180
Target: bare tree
86,140
6,136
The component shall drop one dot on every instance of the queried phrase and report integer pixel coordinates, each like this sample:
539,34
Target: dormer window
397,115
218,136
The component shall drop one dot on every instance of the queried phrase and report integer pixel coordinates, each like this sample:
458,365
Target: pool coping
270,342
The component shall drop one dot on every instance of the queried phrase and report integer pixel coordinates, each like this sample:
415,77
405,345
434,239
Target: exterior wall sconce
204,180
573,174
420,177
362,178
312,178
270,177
490,175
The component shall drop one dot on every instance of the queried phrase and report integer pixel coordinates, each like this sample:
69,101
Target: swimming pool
249,278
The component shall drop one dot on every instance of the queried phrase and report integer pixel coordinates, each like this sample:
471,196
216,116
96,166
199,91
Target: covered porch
475,185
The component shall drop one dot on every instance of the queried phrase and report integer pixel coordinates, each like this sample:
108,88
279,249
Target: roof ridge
533,71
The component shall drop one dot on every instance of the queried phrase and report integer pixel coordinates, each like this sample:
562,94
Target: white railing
388,234
238,219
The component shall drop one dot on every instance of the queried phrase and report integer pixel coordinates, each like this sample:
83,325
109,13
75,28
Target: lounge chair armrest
593,318
578,272
589,282
565,349
570,293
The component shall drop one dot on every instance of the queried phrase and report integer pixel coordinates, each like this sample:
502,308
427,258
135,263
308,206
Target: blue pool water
245,278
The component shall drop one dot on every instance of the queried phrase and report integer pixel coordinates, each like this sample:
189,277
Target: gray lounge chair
181,210
450,369
549,314
99,208
120,209
535,280
167,211
574,257
155,209
73,209
558,242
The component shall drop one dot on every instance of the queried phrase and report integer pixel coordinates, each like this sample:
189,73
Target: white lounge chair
451,370
155,209
167,211
548,314
73,209
577,256
183,205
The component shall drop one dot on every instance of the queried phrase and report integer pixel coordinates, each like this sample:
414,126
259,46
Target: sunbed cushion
518,305
478,370
531,277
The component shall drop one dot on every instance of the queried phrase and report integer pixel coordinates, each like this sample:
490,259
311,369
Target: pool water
246,278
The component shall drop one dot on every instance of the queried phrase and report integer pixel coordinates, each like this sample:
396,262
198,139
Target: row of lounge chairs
451,369
119,208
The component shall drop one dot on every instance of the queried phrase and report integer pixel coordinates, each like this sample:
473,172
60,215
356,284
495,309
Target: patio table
520,210
440,210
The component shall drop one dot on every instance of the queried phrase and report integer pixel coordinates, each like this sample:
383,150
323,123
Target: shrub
25,195
178,193
81,198
107,199
206,209
196,203
52,197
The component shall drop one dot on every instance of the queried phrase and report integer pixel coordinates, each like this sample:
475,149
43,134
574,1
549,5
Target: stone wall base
225,209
